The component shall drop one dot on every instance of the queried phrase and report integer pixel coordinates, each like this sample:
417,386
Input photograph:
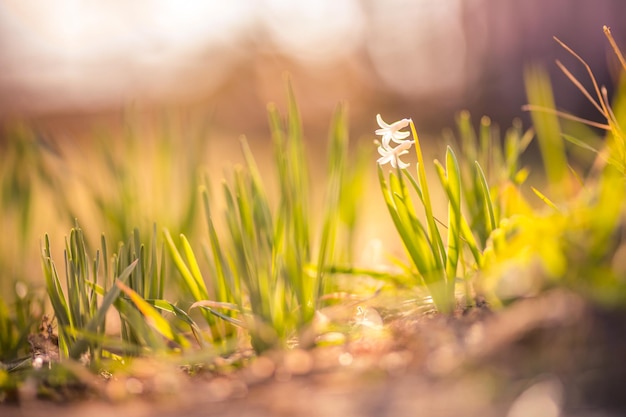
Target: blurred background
72,71
423,59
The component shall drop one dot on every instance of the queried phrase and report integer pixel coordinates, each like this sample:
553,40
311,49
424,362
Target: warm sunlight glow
419,46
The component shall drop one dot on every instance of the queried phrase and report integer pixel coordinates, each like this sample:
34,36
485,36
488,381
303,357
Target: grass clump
258,281
267,272
574,240
577,240
132,284
438,262
19,318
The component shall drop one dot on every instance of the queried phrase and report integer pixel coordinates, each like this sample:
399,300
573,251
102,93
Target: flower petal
392,155
381,122
399,137
392,132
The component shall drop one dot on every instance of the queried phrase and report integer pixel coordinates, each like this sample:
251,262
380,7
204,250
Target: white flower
392,131
392,155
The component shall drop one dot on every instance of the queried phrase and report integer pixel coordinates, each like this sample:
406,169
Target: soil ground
550,356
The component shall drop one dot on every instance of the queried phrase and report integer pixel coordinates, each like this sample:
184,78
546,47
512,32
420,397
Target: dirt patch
554,355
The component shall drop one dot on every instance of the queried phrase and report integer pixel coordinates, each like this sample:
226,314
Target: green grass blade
212,307
453,189
182,268
486,200
411,231
337,155
82,345
224,283
433,231
152,316
546,123
194,268
545,199
57,299
156,284
180,314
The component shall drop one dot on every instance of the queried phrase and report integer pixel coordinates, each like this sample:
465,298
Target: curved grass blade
165,305
211,306
191,277
152,316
